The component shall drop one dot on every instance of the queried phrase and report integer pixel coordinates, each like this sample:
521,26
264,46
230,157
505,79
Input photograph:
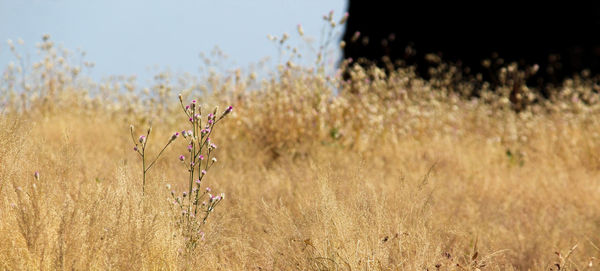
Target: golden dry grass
390,173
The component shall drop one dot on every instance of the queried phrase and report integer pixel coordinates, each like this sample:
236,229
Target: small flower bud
345,18
180,98
201,157
36,175
214,160
208,189
203,172
168,187
174,136
142,139
181,158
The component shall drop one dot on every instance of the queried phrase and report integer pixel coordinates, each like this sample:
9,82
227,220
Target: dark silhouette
562,38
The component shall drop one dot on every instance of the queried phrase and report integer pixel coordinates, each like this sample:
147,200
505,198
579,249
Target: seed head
300,30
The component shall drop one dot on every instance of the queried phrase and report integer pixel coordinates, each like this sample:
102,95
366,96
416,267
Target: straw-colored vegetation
376,172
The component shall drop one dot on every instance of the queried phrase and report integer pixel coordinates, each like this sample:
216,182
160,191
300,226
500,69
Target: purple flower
228,110
191,120
174,136
187,107
208,189
198,181
201,157
203,172
184,194
142,139
135,148
190,147
181,158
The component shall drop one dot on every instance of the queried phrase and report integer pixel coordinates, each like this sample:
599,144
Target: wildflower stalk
140,148
198,162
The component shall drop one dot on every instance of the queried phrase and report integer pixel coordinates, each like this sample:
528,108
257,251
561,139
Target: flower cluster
194,205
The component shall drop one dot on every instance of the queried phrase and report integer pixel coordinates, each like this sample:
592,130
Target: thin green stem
161,151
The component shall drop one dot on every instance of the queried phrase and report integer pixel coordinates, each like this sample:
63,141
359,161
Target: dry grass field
376,172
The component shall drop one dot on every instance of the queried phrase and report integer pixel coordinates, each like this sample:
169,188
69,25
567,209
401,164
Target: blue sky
138,36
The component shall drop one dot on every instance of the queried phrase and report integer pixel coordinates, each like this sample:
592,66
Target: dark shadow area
563,39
